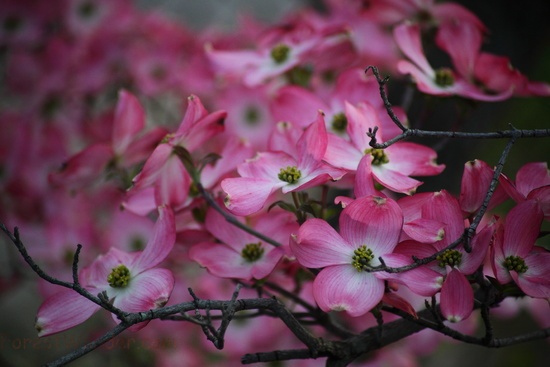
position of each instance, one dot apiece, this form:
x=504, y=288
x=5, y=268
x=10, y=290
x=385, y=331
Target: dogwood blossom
x=369, y=229
x=130, y=280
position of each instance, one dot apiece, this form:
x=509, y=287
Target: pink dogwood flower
x=515, y=256
x=128, y=146
x=164, y=179
x=462, y=46
x=277, y=54
x=130, y=280
x=369, y=229
x=269, y=171
x=390, y=167
x=448, y=273
x=532, y=183
x=241, y=255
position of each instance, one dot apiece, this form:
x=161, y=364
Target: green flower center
x=87, y=9
x=515, y=263
x=449, y=257
x=378, y=156
x=290, y=174
x=444, y=77
x=361, y=258
x=12, y=23
x=252, y=252
x=252, y=116
x=119, y=277
x=279, y=53
x=339, y=122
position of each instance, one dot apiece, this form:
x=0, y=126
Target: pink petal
x=394, y=180
x=443, y=206
x=195, y=111
x=153, y=167
x=266, y=165
x=141, y=202
x=457, y=297
x=422, y=280
x=146, y=291
x=245, y=195
x=480, y=244
x=318, y=245
x=521, y=228
x=532, y=176
x=462, y=41
x=536, y=281
x=142, y=147
x=313, y=144
x=360, y=120
x=542, y=196
x=395, y=300
x=267, y=263
x=129, y=120
x=297, y=105
x=340, y=153
x=341, y=287
x=172, y=183
x=364, y=182
x=84, y=167
x=160, y=243
x=425, y=230
x=413, y=159
x=221, y=260
x=62, y=311
x=407, y=37
x=475, y=182
x=374, y=222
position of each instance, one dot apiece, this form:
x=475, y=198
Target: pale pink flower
x=131, y=282
x=391, y=167
x=369, y=229
x=239, y=254
x=277, y=54
x=462, y=42
x=269, y=171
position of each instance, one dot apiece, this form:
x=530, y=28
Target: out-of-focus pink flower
x=462, y=43
x=241, y=255
x=129, y=145
x=130, y=280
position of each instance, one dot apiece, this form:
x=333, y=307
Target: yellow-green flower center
x=379, y=157
x=444, y=77
x=252, y=252
x=361, y=258
x=279, y=53
x=449, y=257
x=515, y=263
x=290, y=174
x=119, y=277
x=252, y=116
x=339, y=122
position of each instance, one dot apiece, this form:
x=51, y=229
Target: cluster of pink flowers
x=274, y=119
